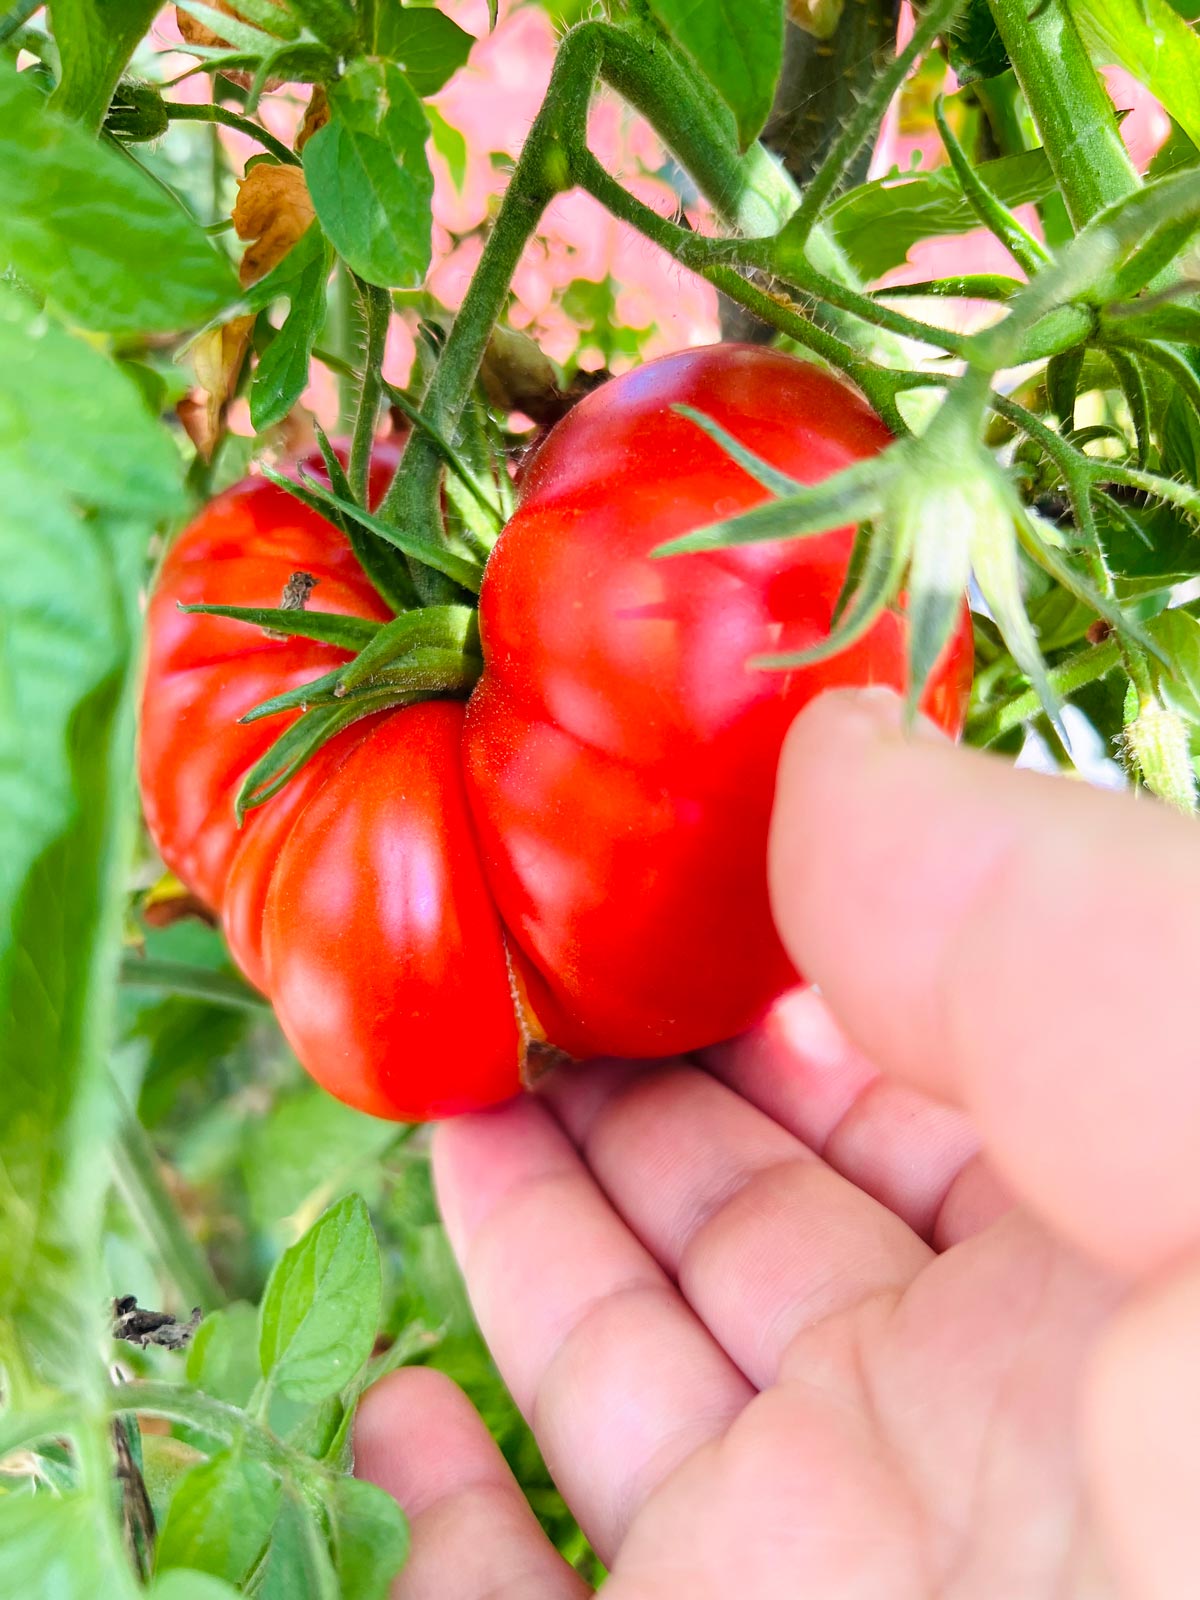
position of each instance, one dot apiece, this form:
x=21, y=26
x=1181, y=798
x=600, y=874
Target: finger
x=1143, y=1423
x=902, y=1148
x=618, y=1378
x=1019, y=944
x=763, y=1238
x=474, y=1536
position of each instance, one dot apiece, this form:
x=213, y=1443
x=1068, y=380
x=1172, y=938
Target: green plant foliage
x=1155, y=45
x=878, y=223
x=425, y=43
x=85, y=252
x=369, y=176
x=737, y=45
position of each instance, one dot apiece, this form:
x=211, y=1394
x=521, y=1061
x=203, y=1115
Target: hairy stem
x=1070, y=105
x=232, y=119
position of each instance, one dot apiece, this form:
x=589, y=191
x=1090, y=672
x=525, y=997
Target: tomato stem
x=1070, y=105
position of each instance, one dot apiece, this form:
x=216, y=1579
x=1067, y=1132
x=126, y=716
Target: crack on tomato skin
x=539, y=1054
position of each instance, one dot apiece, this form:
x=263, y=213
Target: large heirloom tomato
x=582, y=860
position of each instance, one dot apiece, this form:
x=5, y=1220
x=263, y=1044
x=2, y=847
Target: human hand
x=776, y=1324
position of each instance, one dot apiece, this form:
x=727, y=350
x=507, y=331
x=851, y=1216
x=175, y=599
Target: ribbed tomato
x=586, y=863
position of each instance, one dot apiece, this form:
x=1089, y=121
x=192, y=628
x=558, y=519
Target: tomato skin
x=202, y=673
x=384, y=954
x=620, y=753
x=585, y=840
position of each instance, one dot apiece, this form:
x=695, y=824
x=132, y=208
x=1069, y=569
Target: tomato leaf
x=1154, y=44
x=369, y=176
x=87, y=251
x=281, y=375
x=321, y=1308
x=83, y=464
x=737, y=45
x=49, y=1543
x=333, y=21
x=298, y=1561
x=220, y=1517
x=425, y=43
x=370, y=1538
x=878, y=223
x=95, y=40
x=180, y=1584
x=222, y=1358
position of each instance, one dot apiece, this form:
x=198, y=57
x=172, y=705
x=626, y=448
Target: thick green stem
x=751, y=192
x=879, y=384
x=231, y=119
x=863, y=124
x=539, y=175
x=377, y=312
x=1070, y=105
x=139, y=1180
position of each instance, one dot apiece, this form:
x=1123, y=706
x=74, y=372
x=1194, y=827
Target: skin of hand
x=897, y=1296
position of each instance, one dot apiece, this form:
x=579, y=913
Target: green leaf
x=228, y=27
x=84, y=474
x=449, y=144
x=309, y=1147
x=370, y=1539
x=298, y=1562
x=369, y=176
x=737, y=45
x=1177, y=634
x=1154, y=44
x=220, y=1517
x=878, y=223
x=79, y=221
x=425, y=43
x=333, y=21
x=180, y=1584
x=321, y=1308
x=95, y=40
x=222, y=1358
x=50, y=1549
x=282, y=371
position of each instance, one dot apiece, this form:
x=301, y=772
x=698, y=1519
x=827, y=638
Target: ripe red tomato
x=585, y=863
x=620, y=753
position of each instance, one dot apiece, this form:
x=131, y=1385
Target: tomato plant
x=464, y=752
x=587, y=869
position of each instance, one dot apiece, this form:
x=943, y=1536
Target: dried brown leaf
x=272, y=210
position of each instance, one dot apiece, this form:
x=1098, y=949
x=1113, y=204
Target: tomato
x=620, y=753
x=578, y=855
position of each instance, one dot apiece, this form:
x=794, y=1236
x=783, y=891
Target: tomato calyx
x=422, y=654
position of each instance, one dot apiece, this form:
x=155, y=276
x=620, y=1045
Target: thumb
x=1021, y=945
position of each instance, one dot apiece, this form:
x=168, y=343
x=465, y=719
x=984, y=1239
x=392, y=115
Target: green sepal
x=883, y=570
x=469, y=574
x=299, y=743
x=849, y=496
x=328, y=627
x=449, y=628
x=1063, y=374
x=320, y=691
x=779, y=483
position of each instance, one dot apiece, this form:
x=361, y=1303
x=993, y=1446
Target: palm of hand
x=749, y=1372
